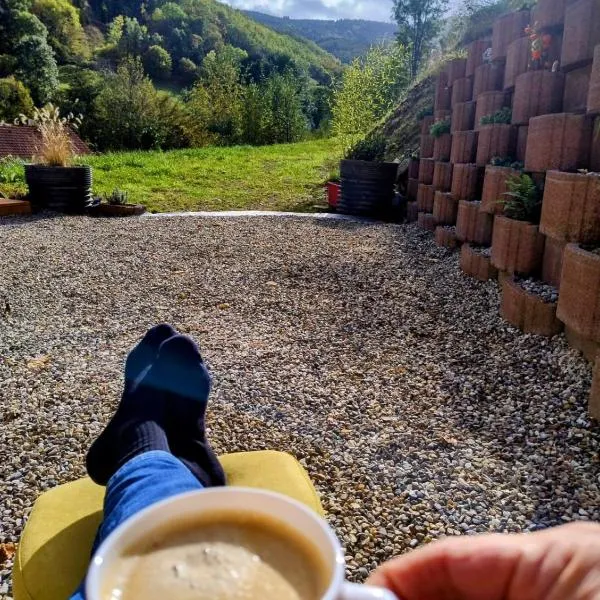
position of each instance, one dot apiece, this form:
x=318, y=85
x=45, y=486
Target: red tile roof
x=22, y=141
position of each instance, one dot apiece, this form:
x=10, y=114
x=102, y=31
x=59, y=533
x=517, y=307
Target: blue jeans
x=140, y=483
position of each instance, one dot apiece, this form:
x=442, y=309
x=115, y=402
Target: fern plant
x=523, y=199
x=440, y=128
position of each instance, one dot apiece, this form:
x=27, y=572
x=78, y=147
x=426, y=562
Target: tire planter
x=463, y=117
x=426, y=168
x=517, y=246
x=582, y=34
x=593, y=100
x=472, y=225
x=462, y=91
x=425, y=198
x=579, y=301
x=426, y=124
x=494, y=188
x=426, y=221
x=464, y=147
x=558, y=142
x=412, y=190
x=118, y=210
x=427, y=146
x=489, y=77
x=455, y=70
x=552, y=261
x=577, y=85
x=446, y=237
x=441, y=147
x=63, y=189
x=412, y=212
x=571, y=207
x=537, y=93
x=476, y=265
x=522, y=136
x=442, y=99
x=466, y=180
x=445, y=209
x=475, y=52
x=442, y=176
x=495, y=140
x=367, y=188
x=507, y=29
x=528, y=312
x=517, y=61
x=549, y=14
x=488, y=103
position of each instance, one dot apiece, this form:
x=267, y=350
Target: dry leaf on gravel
x=7, y=551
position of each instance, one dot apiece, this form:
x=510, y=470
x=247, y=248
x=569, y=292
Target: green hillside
x=344, y=38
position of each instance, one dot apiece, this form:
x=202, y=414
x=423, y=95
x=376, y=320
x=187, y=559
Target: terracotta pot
x=528, y=312
x=579, y=302
x=475, y=52
x=464, y=147
x=446, y=237
x=476, y=265
x=466, y=181
x=560, y=142
x=488, y=103
x=462, y=91
x=425, y=198
x=426, y=124
x=426, y=167
x=495, y=140
x=582, y=34
x=494, y=188
x=441, y=147
x=442, y=176
x=413, y=168
x=445, y=208
x=507, y=29
x=412, y=190
x=426, y=146
x=456, y=69
x=442, y=96
x=522, y=135
x=517, y=246
x=552, y=261
x=537, y=93
x=426, y=221
x=517, y=61
x=549, y=14
x=463, y=117
x=593, y=101
x=489, y=77
x=594, y=401
x=412, y=212
x=577, y=85
x=571, y=207
x=472, y=225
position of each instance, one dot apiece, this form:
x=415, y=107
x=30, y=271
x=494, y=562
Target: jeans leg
x=143, y=481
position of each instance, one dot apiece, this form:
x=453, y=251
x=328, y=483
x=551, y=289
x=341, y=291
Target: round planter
x=426, y=222
x=462, y=91
x=413, y=168
x=522, y=136
x=64, y=189
x=412, y=190
x=117, y=210
x=463, y=117
x=517, y=246
x=528, y=312
x=445, y=208
x=577, y=85
x=466, y=181
x=552, y=261
x=494, y=188
x=442, y=114
x=507, y=29
x=517, y=61
x=442, y=95
x=476, y=265
x=549, y=14
x=571, y=207
x=475, y=52
x=582, y=34
x=412, y=212
x=367, y=188
x=426, y=124
x=456, y=69
x=472, y=225
x=442, y=176
x=446, y=237
x=558, y=142
x=579, y=301
x=488, y=103
x=593, y=100
x=426, y=167
x=537, y=93
x=464, y=147
x=425, y=198
x=495, y=140
x=441, y=147
x=489, y=77
x=426, y=146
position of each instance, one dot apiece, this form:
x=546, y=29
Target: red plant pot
x=537, y=93
x=582, y=34
x=571, y=207
x=442, y=176
x=427, y=146
x=495, y=140
x=507, y=29
x=593, y=101
x=494, y=188
x=425, y=198
x=489, y=77
x=446, y=237
x=488, y=103
x=426, y=168
x=475, y=52
x=517, y=246
x=577, y=85
x=463, y=117
x=426, y=221
x=333, y=194
x=472, y=225
x=442, y=147
x=445, y=208
x=517, y=61
x=476, y=265
x=466, y=181
x=462, y=91
x=464, y=147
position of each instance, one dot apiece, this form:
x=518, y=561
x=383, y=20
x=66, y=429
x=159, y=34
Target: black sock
x=186, y=384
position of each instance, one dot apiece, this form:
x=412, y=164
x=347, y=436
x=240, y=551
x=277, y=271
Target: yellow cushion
x=55, y=546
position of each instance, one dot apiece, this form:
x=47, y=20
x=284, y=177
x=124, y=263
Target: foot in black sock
x=186, y=383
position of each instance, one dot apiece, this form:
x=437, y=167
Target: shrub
x=524, y=199
x=15, y=100
x=507, y=161
x=36, y=67
x=440, y=128
x=158, y=62
x=502, y=116
x=371, y=149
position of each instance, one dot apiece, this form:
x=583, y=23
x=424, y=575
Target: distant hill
x=345, y=38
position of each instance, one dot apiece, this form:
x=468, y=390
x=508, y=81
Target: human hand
x=556, y=564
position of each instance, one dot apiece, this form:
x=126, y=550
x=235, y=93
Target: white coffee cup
x=305, y=522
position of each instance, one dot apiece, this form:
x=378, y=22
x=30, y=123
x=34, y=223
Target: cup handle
x=353, y=591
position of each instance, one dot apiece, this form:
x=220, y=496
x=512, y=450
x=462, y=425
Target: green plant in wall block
x=440, y=128
x=502, y=117
x=425, y=112
x=116, y=198
x=523, y=201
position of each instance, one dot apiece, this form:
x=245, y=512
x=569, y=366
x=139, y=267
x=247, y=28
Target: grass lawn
x=284, y=177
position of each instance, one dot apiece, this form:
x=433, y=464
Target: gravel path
x=359, y=348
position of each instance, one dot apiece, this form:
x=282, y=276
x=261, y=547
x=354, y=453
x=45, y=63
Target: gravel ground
x=360, y=348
